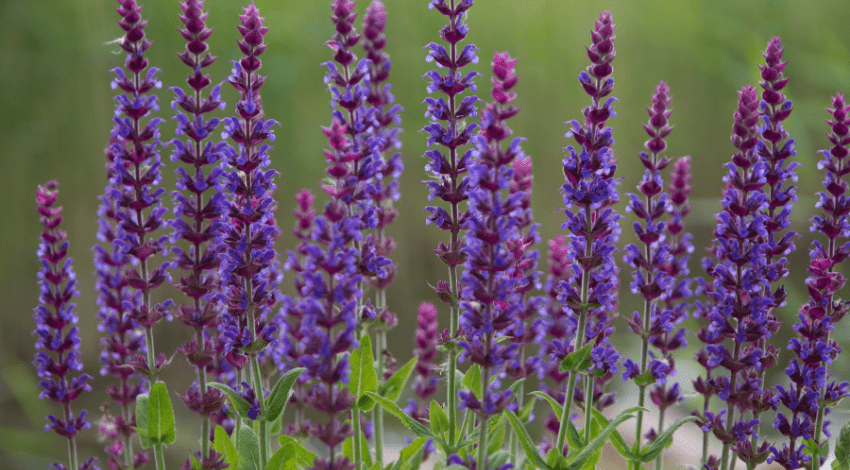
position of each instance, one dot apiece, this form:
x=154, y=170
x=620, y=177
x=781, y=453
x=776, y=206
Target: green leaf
x=472, y=379
x=142, y=419
x=283, y=459
x=645, y=379
x=531, y=452
x=555, y=460
x=240, y=404
x=495, y=435
x=224, y=446
x=280, y=393
x=248, y=448
x=525, y=413
x=597, y=442
x=408, y=453
x=652, y=450
x=573, y=437
x=842, y=449
x=364, y=378
x=303, y=456
x=392, y=389
x=578, y=360
x=616, y=438
x=498, y=458
x=438, y=418
x=418, y=428
x=195, y=464
x=161, y=428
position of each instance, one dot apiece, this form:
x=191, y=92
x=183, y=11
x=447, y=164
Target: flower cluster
x=136, y=173
x=810, y=392
x=199, y=220
x=248, y=280
x=57, y=336
x=426, y=380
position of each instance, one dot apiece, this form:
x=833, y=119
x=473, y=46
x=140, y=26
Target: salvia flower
x=57, y=336
x=810, y=393
x=136, y=173
x=593, y=225
x=198, y=220
x=741, y=296
x=651, y=279
x=249, y=231
x=123, y=340
x=426, y=380
x=449, y=130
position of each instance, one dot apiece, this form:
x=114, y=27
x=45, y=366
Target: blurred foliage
x=55, y=109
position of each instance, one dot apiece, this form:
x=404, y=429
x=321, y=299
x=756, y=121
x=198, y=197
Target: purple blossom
x=426, y=380
x=247, y=260
x=198, y=220
x=135, y=175
x=57, y=337
x=814, y=350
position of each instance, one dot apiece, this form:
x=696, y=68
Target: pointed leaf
x=842, y=449
x=142, y=419
x=392, y=389
x=438, y=418
x=195, y=465
x=248, y=447
x=573, y=437
x=409, y=452
x=280, y=393
x=597, y=442
x=418, y=428
x=161, y=428
x=224, y=446
x=495, y=434
x=240, y=404
x=616, y=438
x=363, y=378
x=578, y=360
x=531, y=452
x=304, y=457
x=283, y=459
x=472, y=379
x=652, y=450
x=498, y=458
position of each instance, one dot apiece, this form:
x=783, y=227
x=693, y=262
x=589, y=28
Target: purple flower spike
x=589, y=192
x=57, y=337
x=811, y=394
x=198, y=209
x=426, y=381
x=135, y=175
x=656, y=267
x=247, y=261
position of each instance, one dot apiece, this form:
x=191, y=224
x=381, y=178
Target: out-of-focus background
x=56, y=105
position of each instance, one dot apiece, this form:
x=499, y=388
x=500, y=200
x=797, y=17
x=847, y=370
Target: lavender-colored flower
x=123, y=340
x=57, y=337
x=589, y=192
x=655, y=267
x=198, y=220
x=810, y=393
x=426, y=380
x=249, y=231
x=741, y=295
x=135, y=173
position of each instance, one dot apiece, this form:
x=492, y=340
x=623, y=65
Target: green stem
x=588, y=407
x=513, y=442
x=730, y=414
x=377, y=412
x=705, y=407
x=454, y=437
x=202, y=381
x=159, y=457
x=258, y=388
x=355, y=420
x=72, y=453
x=659, y=462
x=482, y=431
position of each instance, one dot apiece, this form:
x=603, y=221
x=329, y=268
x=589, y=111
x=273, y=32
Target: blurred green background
x=55, y=108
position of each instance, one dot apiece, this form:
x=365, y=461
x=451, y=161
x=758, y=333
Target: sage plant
x=449, y=183
x=810, y=394
x=198, y=219
x=593, y=225
x=57, y=344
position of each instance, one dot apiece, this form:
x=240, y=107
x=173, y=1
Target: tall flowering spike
x=426, y=379
x=655, y=269
x=123, y=340
x=198, y=209
x=589, y=193
x=136, y=173
x=449, y=130
x=247, y=269
x=57, y=336
x=741, y=298
x=811, y=394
